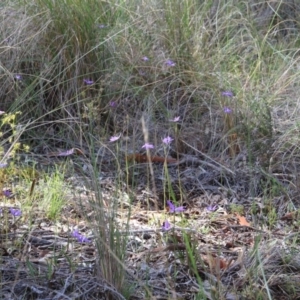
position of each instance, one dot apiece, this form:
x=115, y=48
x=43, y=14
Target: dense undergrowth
x=115, y=79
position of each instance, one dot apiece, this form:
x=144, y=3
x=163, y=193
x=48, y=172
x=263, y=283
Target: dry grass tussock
x=109, y=110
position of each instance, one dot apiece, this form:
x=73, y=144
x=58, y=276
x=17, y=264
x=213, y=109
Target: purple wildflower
x=176, y=119
x=167, y=140
x=80, y=238
x=15, y=212
x=212, y=207
x=148, y=146
x=227, y=110
x=145, y=58
x=3, y=165
x=8, y=193
x=88, y=81
x=18, y=77
x=2, y=112
x=112, y=103
x=170, y=63
x=173, y=208
x=66, y=153
x=227, y=93
x=166, y=226
x=114, y=138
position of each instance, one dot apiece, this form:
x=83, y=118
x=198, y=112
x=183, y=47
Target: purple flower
x=170, y=63
x=212, y=207
x=227, y=110
x=88, y=81
x=112, y=103
x=3, y=165
x=18, y=77
x=173, y=208
x=145, y=58
x=227, y=93
x=148, y=146
x=80, y=238
x=166, y=226
x=66, y=153
x=15, y=212
x=8, y=193
x=2, y=112
x=101, y=26
x=176, y=119
x=167, y=140
x=114, y=138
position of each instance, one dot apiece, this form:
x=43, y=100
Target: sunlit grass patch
x=53, y=191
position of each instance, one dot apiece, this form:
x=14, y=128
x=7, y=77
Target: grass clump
x=54, y=191
x=110, y=231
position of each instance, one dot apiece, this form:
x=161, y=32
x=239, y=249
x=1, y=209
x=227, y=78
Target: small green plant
x=54, y=192
x=255, y=208
x=272, y=217
x=10, y=133
x=237, y=208
x=193, y=260
x=205, y=230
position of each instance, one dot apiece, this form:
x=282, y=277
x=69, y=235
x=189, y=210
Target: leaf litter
x=168, y=248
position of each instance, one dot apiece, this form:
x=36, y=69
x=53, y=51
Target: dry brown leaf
x=242, y=220
x=215, y=263
x=223, y=264
x=289, y=216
